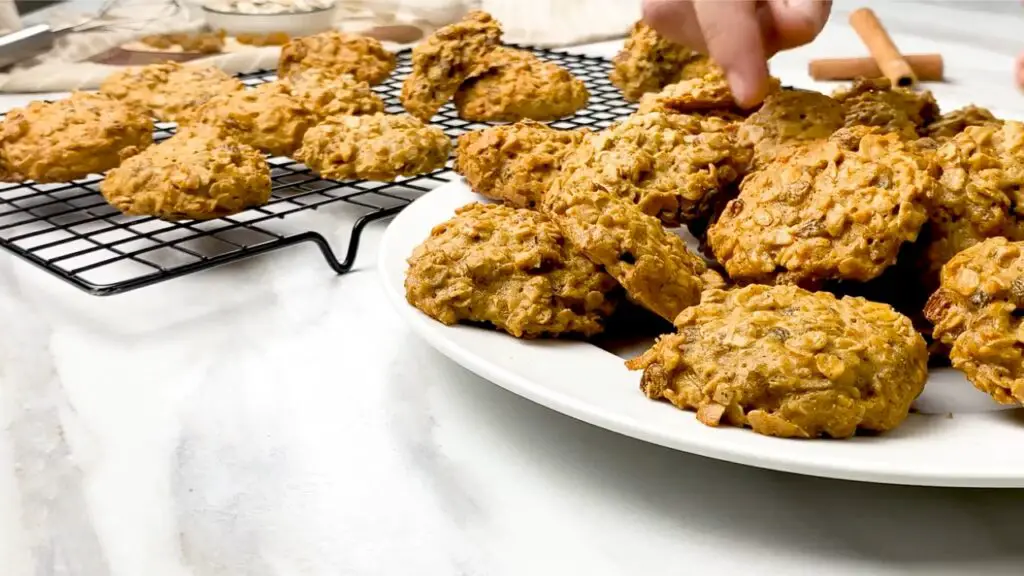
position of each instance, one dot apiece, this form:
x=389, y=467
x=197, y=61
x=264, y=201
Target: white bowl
x=294, y=24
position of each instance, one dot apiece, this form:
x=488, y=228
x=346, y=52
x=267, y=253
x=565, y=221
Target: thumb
x=795, y=22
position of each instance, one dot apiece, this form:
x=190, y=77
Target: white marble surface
x=269, y=418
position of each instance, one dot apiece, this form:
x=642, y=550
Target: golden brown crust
x=201, y=42
x=982, y=185
x=650, y=262
x=670, y=165
x=512, y=269
x=834, y=209
x=195, y=174
x=697, y=94
x=974, y=200
x=70, y=138
x=442, y=62
x=977, y=311
x=169, y=91
x=649, y=62
x=787, y=117
x=950, y=124
x=515, y=163
x=266, y=118
x=327, y=94
x=876, y=103
x=788, y=362
x=518, y=85
x=362, y=57
x=373, y=147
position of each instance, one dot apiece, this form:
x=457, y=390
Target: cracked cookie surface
x=517, y=85
x=977, y=312
x=169, y=91
x=651, y=263
x=672, y=166
x=827, y=210
x=373, y=147
x=195, y=174
x=71, y=138
x=326, y=94
x=512, y=269
x=877, y=103
x=442, y=62
x=648, y=62
x=787, y=117
x=362, y=57
x=516, y=163
x=265, y=117
x=788, y=362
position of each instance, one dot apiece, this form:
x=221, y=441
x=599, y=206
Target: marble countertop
x=270, y=418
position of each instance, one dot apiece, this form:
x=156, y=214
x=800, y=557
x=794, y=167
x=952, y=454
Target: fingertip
x=749, y=87
x=735, y=41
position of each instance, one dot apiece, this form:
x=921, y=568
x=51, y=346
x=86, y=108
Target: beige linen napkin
x=539, y=22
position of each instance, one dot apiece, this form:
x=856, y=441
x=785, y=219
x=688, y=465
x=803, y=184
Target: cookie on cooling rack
x=374, y=147
x=512, y=269
x=266, y=118
x=788, y=362
x=514, y=163
x=195, y=174
x=648, y=62
x=517, y=85
x=169, y=91
x=442, y=62
x=651, y=263
x=326, y=94
x=976, y=311
x=71, y=138
x=362, y=57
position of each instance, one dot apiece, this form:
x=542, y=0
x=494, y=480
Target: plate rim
x=437, y=336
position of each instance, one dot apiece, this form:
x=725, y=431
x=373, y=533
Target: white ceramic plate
x=965, y=440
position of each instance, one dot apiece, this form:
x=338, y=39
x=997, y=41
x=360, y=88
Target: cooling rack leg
x=353, y=243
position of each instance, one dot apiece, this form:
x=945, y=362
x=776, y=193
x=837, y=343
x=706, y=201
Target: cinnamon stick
x=926, y=67
x=883, y=50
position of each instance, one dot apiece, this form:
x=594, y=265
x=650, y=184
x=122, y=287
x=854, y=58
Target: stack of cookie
x=826, y=223
x=321, y=111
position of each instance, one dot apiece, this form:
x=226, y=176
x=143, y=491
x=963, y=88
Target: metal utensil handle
x=25, y=43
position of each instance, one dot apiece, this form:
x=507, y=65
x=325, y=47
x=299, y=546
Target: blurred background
x=105, y=33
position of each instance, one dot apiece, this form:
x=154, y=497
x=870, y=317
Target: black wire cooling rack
x=71, y=232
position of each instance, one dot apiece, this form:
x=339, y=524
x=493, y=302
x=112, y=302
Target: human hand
x=740, y=35
x=1020, y=67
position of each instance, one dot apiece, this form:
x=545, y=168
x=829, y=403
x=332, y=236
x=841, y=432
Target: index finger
x=674, y=20
x=732, y=34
